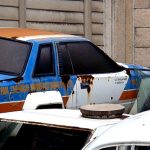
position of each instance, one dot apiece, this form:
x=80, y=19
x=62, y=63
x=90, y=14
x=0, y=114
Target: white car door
x=100, y=88
x=98, y=78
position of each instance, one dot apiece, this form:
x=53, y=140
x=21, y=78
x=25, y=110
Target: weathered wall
x=118, y=31
x=9, y=13
x=120, y=27
x=127, y=30
x=78, y=17
x=142, y=31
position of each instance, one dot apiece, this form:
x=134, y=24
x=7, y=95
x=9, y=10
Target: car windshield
x=38, y=137
x=13, y=56
x=84, y=58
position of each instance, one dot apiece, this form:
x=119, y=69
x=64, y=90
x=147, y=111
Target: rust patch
x=44, y=86
x=36, y=87
x=18, y=79
x=72, y=92
x=32, y=88
x=65, y=100
x=19, y=88
x=87, y=81
x=128, y=71
x=133, y=81
x=4, y=90
x=65, y=80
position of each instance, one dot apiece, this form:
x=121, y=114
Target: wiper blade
x=16, y=79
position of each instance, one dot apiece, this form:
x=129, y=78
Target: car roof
x=23, y=32
x=132, y=131
x=26, y=34
x=57, y=118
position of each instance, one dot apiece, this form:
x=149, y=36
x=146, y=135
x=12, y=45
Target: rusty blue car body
x=35, y=60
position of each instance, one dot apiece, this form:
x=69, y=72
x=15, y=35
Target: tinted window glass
x=44, y=64
x=65, y=64
x=32, y=137
x=84, y=58
x=13, y=56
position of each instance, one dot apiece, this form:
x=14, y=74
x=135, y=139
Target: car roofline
x=62, y=118
x=52, y=38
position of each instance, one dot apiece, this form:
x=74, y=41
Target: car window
x=128, y=147
x=84, y=58
x=37, y=137
x=12, y=52
x=44, y=64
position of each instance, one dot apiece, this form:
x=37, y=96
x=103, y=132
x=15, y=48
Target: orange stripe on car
x=13, y=106
x=132, y=94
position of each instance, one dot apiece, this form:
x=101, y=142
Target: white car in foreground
x=67, y=130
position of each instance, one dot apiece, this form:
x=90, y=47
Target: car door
x=98, y=79
x=14, y=55
x=44, y=74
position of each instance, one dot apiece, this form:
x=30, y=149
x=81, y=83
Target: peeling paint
x=86, y=81
x=36, y=87
x=65, y=79
x=133, y=81
x=32, y=87
x=65, y=100
x=4, y=90
x=19, y=88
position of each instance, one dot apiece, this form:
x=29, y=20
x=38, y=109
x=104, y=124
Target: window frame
x=50, y=45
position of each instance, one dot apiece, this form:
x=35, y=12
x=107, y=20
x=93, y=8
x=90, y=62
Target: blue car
x=39, y=61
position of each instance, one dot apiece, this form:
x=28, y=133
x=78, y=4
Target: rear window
x=32, y=137
x=13, y=56
x=84, y=58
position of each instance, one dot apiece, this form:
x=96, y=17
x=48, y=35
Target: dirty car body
x=35, y=61
x=66, y=129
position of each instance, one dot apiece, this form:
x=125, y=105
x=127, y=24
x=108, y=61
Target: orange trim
x=21, y=32
x=129, y=95
x=12, y=106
